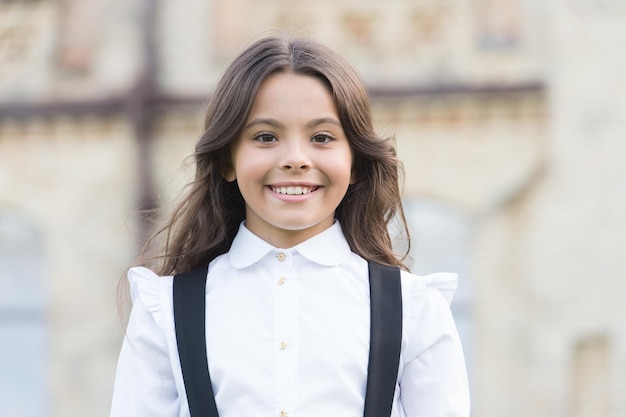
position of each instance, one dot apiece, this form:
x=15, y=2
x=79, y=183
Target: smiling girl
x=286, y=220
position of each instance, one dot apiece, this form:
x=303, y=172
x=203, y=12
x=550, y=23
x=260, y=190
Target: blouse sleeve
x=144, y=381
x=433, y=382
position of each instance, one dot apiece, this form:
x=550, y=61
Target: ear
x=227, y=170
x=353, y=176
x=229, y=174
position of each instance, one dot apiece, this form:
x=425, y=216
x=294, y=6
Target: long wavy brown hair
x=206, y=220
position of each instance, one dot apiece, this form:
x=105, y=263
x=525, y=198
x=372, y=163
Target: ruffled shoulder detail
x=444, y=282
x=151, y=289
x=426, y=310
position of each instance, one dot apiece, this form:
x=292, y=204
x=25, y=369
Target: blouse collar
x=328, y=248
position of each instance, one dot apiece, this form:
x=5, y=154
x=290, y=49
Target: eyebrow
x=276, y=123
x=317, y=122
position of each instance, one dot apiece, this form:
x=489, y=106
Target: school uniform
x=288, y=336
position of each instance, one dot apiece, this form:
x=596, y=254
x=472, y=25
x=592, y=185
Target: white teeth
x=297, y=190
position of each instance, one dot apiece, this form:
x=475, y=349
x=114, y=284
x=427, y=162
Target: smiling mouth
x=296, y=190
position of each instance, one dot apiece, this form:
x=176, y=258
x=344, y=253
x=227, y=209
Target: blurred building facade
x=510, y=117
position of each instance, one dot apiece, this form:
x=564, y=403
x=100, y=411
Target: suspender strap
x=385, y=339
x=189, y=320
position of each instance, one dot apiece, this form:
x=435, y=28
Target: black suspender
x=189, y=314
x=385, y=340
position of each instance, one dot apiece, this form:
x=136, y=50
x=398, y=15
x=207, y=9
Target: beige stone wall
x=552, y=264
x=473, y=151
x=26, y=40
x=77, y=180
x=400, y=42
x=68, y=49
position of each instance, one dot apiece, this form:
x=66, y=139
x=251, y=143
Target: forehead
x=293, y=94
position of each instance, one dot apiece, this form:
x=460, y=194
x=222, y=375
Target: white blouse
x=288, y=335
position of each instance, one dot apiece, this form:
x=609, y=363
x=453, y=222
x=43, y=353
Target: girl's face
x=292, y=160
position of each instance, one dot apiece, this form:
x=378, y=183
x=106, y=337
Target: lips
x=294, y=190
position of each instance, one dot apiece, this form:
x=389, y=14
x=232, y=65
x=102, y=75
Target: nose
x=295, y=157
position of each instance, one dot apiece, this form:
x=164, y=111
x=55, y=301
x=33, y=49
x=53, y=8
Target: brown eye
x=265, y=138
x=322, y=138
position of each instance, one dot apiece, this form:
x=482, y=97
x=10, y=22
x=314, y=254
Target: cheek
x=250, y=168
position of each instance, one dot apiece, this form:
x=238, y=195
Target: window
x=23, y=333
x=440, y=242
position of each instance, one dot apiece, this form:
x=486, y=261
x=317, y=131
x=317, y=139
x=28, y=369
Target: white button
x=283, y=413
x=282, y=281
x=283, y=345
x=281, y=257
